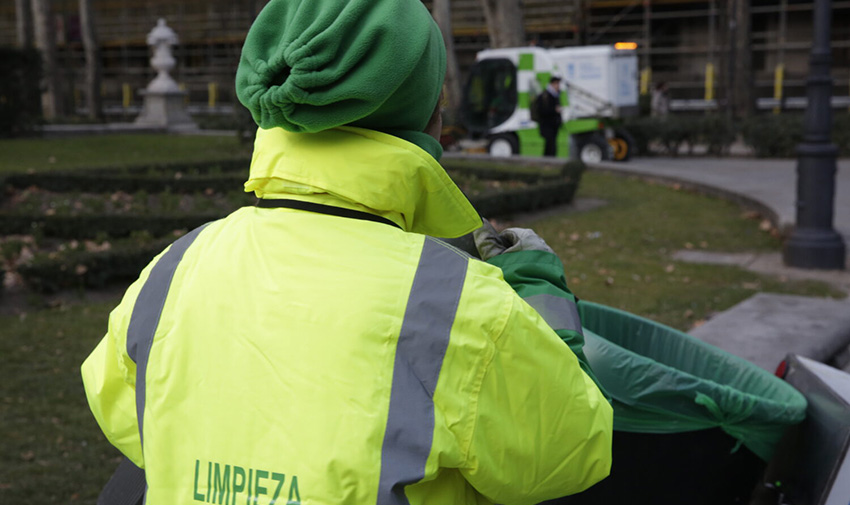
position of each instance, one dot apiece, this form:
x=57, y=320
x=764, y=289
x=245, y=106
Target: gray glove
x=492, y=243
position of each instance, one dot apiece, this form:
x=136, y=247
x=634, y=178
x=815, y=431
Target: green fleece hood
x=312, y=65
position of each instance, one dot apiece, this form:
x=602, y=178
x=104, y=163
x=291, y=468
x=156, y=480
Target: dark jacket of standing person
x=321, y=346
x=549, y=114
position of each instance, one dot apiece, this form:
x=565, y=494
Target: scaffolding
x=699, y=47
x=705, y=50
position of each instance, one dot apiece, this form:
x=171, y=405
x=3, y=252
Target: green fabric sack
x=665, y=381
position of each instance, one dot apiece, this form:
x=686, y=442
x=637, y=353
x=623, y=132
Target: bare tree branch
x=441, y=10
x=45, y=40
x=505, y=22
x=92, y=52
x=23, y=23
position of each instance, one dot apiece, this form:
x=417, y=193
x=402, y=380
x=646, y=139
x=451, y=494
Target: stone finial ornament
x=161, y=38
x=164, y=102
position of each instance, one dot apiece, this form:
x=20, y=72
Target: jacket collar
x=362, y=170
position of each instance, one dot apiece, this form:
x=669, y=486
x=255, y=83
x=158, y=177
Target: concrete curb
x=766, y=327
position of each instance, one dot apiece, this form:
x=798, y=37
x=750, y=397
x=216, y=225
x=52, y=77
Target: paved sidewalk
x=771, y=183
x=764, y=328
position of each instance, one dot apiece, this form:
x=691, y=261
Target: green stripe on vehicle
x=526, y=61
x=531, y=143
x=524, y=100
x=581, y=125
x=543, y=79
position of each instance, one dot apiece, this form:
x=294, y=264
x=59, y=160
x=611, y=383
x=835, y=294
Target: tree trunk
x=45, y=40
x=505, y=22
x=23, y=23
x=743, y=60
x=442, y=12
x=92, y=52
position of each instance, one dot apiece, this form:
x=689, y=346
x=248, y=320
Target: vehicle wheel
x=503, y=145
x=623, y=144
x=620, y=148
x=593, y=149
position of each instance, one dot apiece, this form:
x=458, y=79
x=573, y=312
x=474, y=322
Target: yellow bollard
x=126, y=94
x=779, y=74
x=645, y=77
x=709, y=82
x=212, y=93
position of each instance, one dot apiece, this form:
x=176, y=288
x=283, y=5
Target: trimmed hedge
x=778, y=135
x=90, y=227
x=530, y=171
x=229, y=175
x=769, y=135
x=81, y=269
x=84, y=269
x=168, y=169
x=674, y=131
x=526, y=200
x=773, y=135
x=66, y=182
x=225, y=175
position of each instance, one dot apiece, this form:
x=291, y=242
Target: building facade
x=748, y=52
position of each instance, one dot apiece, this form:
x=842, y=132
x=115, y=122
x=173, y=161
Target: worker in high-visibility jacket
x=320, y=347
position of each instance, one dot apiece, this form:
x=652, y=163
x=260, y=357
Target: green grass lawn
x=21, y=155
x=619, y=254
x=52, y=450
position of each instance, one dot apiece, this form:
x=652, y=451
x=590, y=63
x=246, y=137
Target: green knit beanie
x=311, y=65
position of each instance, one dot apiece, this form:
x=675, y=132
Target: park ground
x=617, y=244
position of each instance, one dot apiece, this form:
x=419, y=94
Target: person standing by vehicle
x=660, y=103
x=549, y=113
x=320, y=346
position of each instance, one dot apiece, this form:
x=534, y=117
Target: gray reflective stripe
x=422, y=345
x=559, y=313
x=147, y=311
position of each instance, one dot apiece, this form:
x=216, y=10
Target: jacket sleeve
x=542, y=428
x=109, y=379
x=538, y=278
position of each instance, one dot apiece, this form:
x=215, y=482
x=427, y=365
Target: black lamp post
x=814, y=243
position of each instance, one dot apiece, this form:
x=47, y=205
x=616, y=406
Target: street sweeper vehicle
x=599, y=86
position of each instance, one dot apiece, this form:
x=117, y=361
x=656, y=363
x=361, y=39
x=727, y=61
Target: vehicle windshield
x=490, y=97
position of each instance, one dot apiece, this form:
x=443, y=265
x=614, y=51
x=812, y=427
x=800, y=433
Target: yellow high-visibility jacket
x=289, y=356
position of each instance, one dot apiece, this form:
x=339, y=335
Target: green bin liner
x=665, y=381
